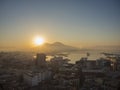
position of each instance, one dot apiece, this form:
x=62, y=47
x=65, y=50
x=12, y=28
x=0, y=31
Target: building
x=39, y=73
x=33, y=78
x=41, y=60
x=86, y=64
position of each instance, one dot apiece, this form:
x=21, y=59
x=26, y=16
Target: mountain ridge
x=55, y=47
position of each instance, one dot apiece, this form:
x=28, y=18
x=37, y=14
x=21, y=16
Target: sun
x=38, y=41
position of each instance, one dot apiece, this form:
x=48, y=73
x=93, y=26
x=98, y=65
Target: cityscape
x=20, y=72
x=59, y=45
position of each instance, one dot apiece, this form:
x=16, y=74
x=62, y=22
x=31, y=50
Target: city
x=59, y=44
x=58, y=74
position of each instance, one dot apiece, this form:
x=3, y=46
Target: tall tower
x=41, y=60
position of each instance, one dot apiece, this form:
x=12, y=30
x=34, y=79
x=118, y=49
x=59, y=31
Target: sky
x=80, y=23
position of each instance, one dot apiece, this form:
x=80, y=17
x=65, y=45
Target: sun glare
x=38, y=41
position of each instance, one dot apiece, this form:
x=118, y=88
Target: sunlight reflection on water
x=75, y=56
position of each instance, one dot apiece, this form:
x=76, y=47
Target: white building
x=33, y=78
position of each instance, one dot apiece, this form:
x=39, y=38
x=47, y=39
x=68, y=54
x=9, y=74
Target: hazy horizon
x=78, y=23
x=46, y=46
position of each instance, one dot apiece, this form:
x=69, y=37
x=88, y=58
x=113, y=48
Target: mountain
x=55, y=47
x=58, y=44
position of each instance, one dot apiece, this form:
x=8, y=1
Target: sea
x=93, y=54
